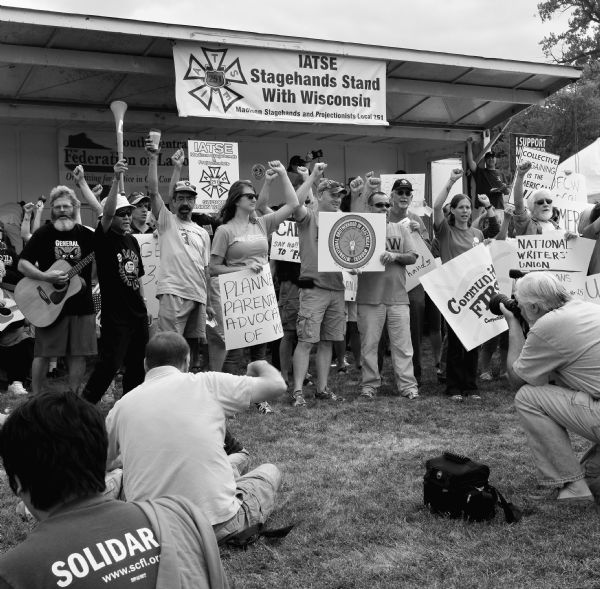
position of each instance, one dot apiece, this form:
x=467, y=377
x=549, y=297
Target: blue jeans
x=371, y=319
x=547, y=413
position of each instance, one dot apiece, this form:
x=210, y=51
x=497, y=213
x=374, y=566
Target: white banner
x=352, y=240
x=276, y=85
x=96, y=151
x=214, y=167
x=418, y=204
x=461, y=289
x=425, y=262
x=552, y=251
x=150, y=254
x=249, y=306
x=592, y=289
x=285, y=243
x=569, y=186
x=570, y=211
x=541, y=175
x=504, y=258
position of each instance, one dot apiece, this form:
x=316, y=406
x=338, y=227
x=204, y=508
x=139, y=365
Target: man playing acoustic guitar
x=73, y=333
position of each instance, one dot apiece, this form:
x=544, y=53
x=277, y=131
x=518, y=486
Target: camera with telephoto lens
x=510, y=304
x=317, y=153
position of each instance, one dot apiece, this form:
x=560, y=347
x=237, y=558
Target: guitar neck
x=80, y=265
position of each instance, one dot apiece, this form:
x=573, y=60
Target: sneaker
x=298, y=399
x=367, y=392
x=411, y=395
x=17, y=388
x=486, y=376
x=327, y=395
x=457, y=397
x=264, y=408
x=475, y=397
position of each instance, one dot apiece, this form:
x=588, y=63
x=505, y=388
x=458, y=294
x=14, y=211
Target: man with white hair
x=73, y=334
x=557, y=368
x=536, y=218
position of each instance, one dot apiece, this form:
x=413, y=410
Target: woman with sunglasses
x=536, y=217
x=455, y=237
x=241, y=241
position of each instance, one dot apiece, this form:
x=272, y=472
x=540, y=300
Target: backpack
x=456, y=486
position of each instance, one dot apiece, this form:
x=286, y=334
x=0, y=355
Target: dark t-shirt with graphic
x=47, y=245
x=94, y=543
x=485, y=180
x=120, y=268
x=9, y=257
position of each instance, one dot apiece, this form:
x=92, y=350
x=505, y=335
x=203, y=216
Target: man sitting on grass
x=54, y=451
x=558, y=369
x=168, y=435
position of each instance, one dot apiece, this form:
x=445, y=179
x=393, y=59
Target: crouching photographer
x=557, y=367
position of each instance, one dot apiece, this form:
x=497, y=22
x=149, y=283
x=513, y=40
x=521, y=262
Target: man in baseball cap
x=139, y=217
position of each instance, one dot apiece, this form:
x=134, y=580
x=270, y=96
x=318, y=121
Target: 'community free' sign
x=275, y=85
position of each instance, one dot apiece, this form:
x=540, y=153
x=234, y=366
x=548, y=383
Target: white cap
x=122, y=203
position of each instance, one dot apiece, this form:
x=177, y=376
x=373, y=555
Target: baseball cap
x=402, y=184
x=490, y=154
x=332, y=186
x=122, y=203
x=297, y=161
x=185, y=186
x=137, y=197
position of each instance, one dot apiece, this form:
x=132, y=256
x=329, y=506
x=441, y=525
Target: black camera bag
x=456, y=486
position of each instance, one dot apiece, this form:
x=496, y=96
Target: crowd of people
x=167, y=435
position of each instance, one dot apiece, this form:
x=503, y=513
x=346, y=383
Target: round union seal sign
x=352, y=241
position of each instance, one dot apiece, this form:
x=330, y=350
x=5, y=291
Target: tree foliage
x=580, y=44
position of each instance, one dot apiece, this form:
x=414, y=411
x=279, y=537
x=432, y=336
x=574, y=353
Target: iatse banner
x=274, y=85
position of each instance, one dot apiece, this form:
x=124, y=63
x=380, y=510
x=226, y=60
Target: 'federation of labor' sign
x=274, y=85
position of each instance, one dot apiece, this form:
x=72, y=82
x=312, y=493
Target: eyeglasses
x=405, y=192
x=381, y=205
x=123, y=213
x=544, y=201
x=250, y=195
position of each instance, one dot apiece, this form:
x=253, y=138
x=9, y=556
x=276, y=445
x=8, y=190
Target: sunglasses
x=544, y=201
x=381, y=205
x=123, y=213
x=251, y=196
x=405, y=192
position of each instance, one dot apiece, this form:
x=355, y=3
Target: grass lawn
x=353, y=484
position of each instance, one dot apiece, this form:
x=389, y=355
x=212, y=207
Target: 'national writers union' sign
x=272, y=85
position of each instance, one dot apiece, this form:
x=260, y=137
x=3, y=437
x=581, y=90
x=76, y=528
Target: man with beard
x=124, y=315
x=536, y=218
x=184, y=259
x=73, y=334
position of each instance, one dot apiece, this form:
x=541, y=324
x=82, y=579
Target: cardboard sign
x=214, y=167
x=150, y=254
x=461, y=289
x=592, y=289
x=425, y=262
x=518, y=141
x=504, y=258
x=350, y=241
x=569, y=186
x=249, y=306
x=541, y=175
x=418, y=204
x=285, y=244
x=351, y=286
x=230, y=82
x=570, y=212
x=552, y=251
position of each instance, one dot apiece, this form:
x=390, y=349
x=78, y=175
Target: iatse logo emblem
x=215, y=92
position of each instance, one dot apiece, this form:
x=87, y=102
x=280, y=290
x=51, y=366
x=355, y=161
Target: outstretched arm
x=522, y=170
x=86, y=192
x=291, y=198
x=269, y=382
x=316, y=174
x=438, y=205
x=156, y=201
x=470, y=159
x=177, y=159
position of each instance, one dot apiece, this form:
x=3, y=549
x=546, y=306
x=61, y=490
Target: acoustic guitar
x=9, y=314
x=40, y=301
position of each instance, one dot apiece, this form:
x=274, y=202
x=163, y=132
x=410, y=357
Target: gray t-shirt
x=454, y=241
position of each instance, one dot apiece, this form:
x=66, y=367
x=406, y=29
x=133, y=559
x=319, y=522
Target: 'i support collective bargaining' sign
x=277, y=85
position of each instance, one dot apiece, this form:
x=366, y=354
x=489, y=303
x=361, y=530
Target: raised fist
x=523, y=168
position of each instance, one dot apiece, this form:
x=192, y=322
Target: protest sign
x=425, y=262
x=592, y=289
x=541, y=175
x=461, y=289
x=96, y=151
x=214, y=167
x=150, y=254
x=574, y=282
x=552, y=251
x=504, y=258
x=249, y=307
x=570, y=212
x=352, y=240
x=350, y=286
x=285, y=243
x=520, y=140
x=277, y=85
x=418, y=204
x=569, y=186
